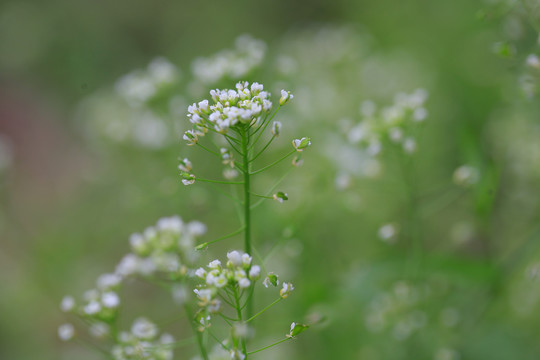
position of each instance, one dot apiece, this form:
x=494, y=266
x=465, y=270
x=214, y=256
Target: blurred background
x=423, y=245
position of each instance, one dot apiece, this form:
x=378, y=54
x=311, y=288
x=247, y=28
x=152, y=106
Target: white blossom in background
x=66, y=332
x=140, y=86
x=233, y=64
x=394, y=123
x=143, y=342
x=466, y=175
x=388, y=233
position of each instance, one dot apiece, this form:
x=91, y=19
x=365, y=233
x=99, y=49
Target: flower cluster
x=237, y=274
x=140, y=86
x=142, y=342
x=245, y=106
x=167, y=247
x=393, y=123
x=234, y=64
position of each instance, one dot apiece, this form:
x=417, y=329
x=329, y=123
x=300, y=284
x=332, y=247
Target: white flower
x=533, y=61
x=237, y=354
x=466, y=175
x=215, y=264
x=92, y=308
x=409, y=145
x=196, y=228
x=200, y=272
x=246, y=260
x=191, y=137
x=276, y=128
x=388, y=233
x=301, y=144
x=235, y=258
x=107, y=281
x=67, y=304
x=66, y=332
x=110, y=299
x=420, y=114
x=142, y=328
x=188, y=179
x=128, y=265
x=286, y=96
x=271, y=279
x=180, y=294
x=286, y=290
x=254, y=272
x=244, y=283
x=185, y=165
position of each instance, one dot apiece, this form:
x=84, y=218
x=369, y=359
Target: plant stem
x=263, y=310
x=247, y=202
x=239, y=312
x=197, y=333
x=269, y=346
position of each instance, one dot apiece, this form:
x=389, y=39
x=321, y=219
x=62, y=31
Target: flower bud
x=286, y=96
x=185, y=165
x=286, y=290
x=276, y=128
x=301, y=144
x=280, y=196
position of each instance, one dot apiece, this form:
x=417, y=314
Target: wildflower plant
x=168, y=254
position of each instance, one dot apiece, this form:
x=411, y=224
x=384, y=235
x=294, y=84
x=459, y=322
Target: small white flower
x=254, y=272
x=92, y=308
x=66, y=332
x=185, y=165
x=215, y=264
x=67, y=304
x=286, y=96
x=466, y=175
x=196, y=228
x=276, y=128
x=107, y=281
x=235, y=258
x=191, y=137
x=246, y=260
x=144, y=329
x=188, y=179
x=301, y=144
x=244, y=283
x=110, y=299
x=286, y=290
x=200, y=272
x=128, y=265
x=388, y=233
x=271, y=279
x=409, y=145
x=420, y=114
x=166, y=339
x=533, y=61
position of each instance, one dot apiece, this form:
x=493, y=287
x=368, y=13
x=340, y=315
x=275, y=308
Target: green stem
x=264, y=148
x=218, y=181
x=269, y=346
x=203, y=245
x=247, y=203
x=207, y=149
x=197, y=333
x=239, y=312
x=274, y=163
x=263, y=310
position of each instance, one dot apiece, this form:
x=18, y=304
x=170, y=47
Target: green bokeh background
x=68, y=205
